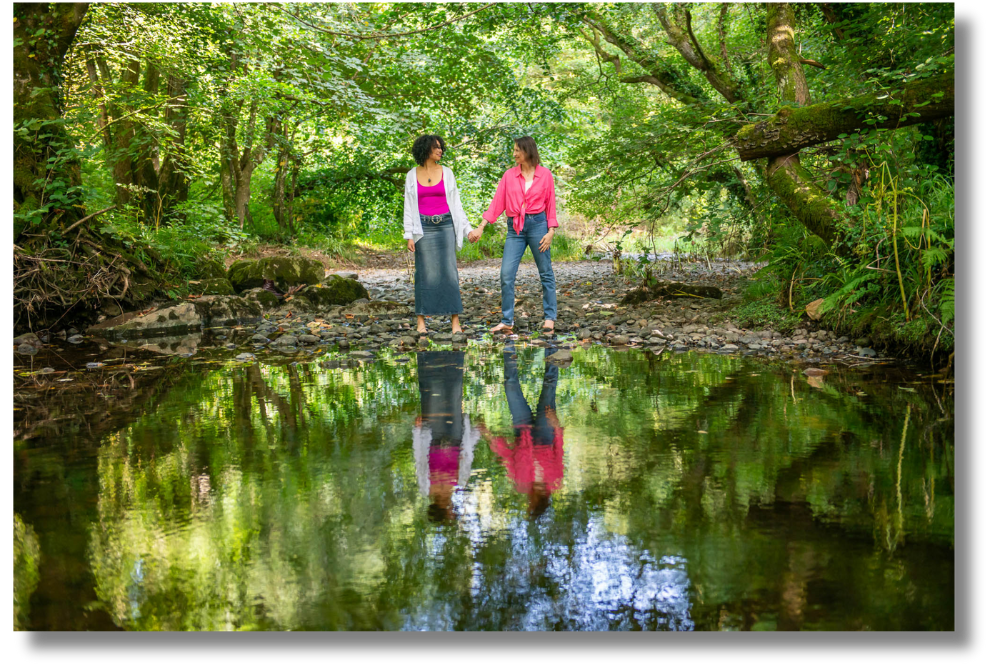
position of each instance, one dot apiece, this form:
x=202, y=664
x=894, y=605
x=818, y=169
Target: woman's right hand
x=409, y=245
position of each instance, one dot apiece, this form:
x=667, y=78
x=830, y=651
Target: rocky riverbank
x=590, y=312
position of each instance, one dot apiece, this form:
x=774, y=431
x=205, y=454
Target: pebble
x=286, y=341
x=560, y=356
x=245, y=357
x=75, y=338
x=26, y=349
x=31, y=339
x=95, y=365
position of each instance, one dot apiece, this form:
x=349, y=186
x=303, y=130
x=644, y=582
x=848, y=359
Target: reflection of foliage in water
x=286, y=497
x=26, y=556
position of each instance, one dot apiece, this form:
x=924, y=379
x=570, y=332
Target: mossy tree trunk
x=790, y=181
x=793, y=129
x=46, y=170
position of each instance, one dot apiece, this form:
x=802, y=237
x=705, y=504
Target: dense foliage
x=815, y=136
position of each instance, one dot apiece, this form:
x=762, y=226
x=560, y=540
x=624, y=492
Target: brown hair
x=529, y=148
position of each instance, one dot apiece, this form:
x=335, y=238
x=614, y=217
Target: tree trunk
x=789, y=180
x=781, y=56
x=172, y=183
x=44, y=154
x=793, y=129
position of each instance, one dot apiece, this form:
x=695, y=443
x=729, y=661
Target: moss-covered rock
x=337, y=292
x=263, y=297
x=284, y=271
x=211, y=286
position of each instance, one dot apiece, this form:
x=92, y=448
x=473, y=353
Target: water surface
x=483, y=489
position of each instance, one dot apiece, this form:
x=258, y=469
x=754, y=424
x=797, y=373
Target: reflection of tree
x=261, y=497
x=26, y=558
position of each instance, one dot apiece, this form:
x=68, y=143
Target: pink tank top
x=431, y=200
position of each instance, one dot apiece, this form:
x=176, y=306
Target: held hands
x=409, y=245
x=475, y=234
x=546, y=241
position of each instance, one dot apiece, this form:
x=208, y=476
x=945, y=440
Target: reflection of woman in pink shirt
x=534, y=457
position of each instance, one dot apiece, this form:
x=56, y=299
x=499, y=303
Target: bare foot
x=501, y=329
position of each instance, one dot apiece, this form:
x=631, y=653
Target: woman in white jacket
x=434, y=225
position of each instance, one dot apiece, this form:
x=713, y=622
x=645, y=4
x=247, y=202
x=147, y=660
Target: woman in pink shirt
x=526, y=192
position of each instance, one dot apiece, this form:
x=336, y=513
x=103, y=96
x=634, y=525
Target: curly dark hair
x=423, y=146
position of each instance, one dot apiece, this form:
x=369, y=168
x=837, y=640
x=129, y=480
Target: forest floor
x=589, y=296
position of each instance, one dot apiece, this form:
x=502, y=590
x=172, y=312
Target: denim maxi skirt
x=436, y=271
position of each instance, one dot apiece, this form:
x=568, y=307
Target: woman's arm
x=493, y=212
x=550, y=202
x=408, y=215
x=498, y=204
x=407, y=210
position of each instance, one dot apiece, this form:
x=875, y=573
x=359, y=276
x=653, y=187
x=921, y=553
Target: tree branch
x=86, y=218
x=791, y=130
x=694, y=40
x=392, y=35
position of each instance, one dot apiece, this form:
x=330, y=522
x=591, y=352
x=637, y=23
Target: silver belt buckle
x=437, y=219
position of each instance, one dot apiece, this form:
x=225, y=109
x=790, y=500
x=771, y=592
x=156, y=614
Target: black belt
x=437, y=219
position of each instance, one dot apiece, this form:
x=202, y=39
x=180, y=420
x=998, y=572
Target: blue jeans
x=542, y=431
x=535, y=227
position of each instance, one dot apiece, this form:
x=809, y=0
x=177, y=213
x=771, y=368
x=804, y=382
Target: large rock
x=180, y=318
x=262, y=296
x=284, y=271
x=335, y=291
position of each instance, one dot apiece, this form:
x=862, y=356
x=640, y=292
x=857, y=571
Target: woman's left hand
x=546, y=241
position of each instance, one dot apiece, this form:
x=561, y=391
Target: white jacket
x=411, y=213
x=422, y=451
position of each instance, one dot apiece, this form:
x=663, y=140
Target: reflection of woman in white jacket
x=444, y=439
x=434, y=224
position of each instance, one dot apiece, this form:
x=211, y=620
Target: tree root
x=52, y=281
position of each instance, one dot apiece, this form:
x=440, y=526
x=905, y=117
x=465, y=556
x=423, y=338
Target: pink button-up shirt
x=510, y=197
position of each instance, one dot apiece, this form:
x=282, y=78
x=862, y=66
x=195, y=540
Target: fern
x=947, y=303
x=933, y=256
x=849, y=292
